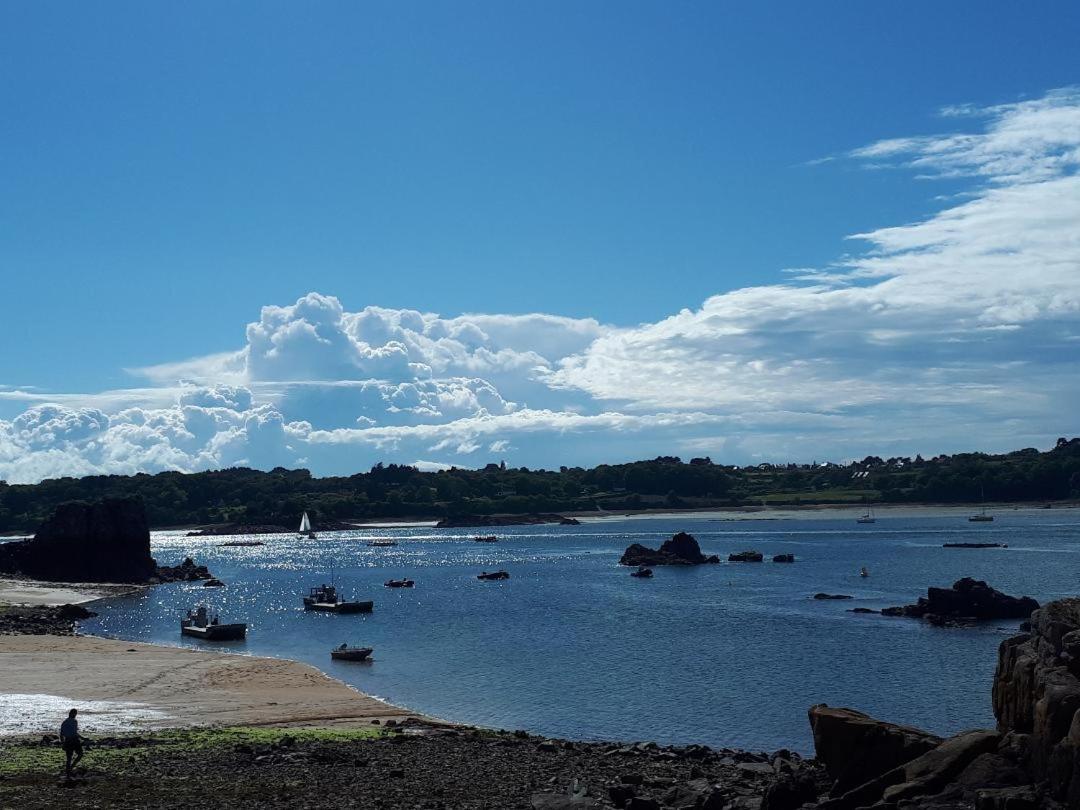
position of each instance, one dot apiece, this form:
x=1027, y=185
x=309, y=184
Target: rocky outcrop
x=468, y=521
x=187, y=571
x=108, y=541
x=967, y=599
x=1037, y=697
x=783, y=558
x=681, y=549
x=855, y=748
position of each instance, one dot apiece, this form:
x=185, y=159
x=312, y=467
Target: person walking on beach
x=72, y=742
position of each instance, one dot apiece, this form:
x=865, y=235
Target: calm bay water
x=571, y=645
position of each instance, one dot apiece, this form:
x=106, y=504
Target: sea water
x=572, y=646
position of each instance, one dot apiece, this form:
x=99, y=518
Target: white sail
x=305, y=524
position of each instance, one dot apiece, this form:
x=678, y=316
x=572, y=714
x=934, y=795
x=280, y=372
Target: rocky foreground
x=409, y=766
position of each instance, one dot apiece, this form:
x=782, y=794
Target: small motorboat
x=399, y=583
x=382, y=543
x=863, y=572
x=200, y=623
x=486, y=539
x=347, y=653
x=642, y=572
x=493, y=575
x=326, y=599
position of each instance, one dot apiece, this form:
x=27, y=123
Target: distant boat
x=863, y=572
x=200, y=623
x=326, y=599
x=981, y=517
x=382, y=543
x=347, y=653
x=486, y=539
x=305, y=529
x=399, y=583
x=868, y=517
x=643, y=573
x=493, y=575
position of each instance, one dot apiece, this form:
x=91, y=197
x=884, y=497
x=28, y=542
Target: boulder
x=968, y=598
x=681, y=549
x=108, y=541
x=784, y=558
x=934, y=770
x=790, y=792
x=187, y=571
x=832, y=596
x=856, y=748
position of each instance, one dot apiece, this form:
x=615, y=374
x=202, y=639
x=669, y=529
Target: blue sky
x=168, y=171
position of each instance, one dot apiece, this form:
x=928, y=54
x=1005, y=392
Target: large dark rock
x=856, y=748
x=967, y=599
x=681, y=549
x=1037, y=697
x=107, y=541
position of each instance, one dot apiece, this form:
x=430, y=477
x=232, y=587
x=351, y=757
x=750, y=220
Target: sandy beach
x=127, y=686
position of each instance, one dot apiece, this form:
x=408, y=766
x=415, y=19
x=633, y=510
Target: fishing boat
x=642, y=572
x=382, y=543
x=305, y=529
x=201, y=623
x=326, y=599
x=347, y=653
x=488, y=539
x=981, y=517
x=863, y=572
x=493, y=575
x=868, y=517
x=399, y=583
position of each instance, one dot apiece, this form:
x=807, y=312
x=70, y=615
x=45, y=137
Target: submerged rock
x=783, y=558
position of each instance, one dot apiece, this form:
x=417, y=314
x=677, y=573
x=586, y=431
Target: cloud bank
x=959, y=331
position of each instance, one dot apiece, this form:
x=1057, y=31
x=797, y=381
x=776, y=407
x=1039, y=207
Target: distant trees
x=394, y=490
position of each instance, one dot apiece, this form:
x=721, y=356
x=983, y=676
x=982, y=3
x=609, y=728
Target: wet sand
x=31, y=592
x=131, y=686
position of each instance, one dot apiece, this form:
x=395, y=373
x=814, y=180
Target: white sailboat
x=868, y=517
x=305, y=529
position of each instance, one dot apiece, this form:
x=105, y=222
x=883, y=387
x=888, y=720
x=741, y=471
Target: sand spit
x=145, y=686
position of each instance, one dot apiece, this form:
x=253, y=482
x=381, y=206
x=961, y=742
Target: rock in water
x=746, y=556
x=967, y=599
x=681, y=549
x=108, y=541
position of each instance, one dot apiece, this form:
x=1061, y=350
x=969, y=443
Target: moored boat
x=382, y=543
x=200, y=623
x=642, y=572
x=863, y=572
x=326, y=599
x=399, y=583
x=868, y=516
x=486, y=539
x=347, y=653
x=493, y=575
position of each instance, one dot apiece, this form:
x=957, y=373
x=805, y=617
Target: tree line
x=280, y=496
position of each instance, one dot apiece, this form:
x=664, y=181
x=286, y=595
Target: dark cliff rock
x=107, y=541
x=681, y=549
x=1037, y=697
x=970, y=599
x=469, y=521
